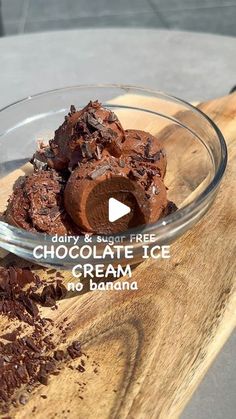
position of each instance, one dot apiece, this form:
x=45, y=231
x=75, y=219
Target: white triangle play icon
x=117, y=210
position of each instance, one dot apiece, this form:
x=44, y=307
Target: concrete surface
x=214, y=16
x=188, y=65
x=215, y=397
x=192, y=66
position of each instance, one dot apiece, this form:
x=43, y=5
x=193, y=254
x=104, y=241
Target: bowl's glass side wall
x=191, y=142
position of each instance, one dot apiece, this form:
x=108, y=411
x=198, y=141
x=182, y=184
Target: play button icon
x=114, y=205
x=117, y=210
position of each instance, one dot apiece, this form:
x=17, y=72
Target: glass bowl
x=195, y=148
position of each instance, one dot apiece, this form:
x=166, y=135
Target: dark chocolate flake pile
x=28, y=355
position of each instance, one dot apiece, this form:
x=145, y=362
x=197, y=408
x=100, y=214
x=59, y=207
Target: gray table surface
x=189, y=65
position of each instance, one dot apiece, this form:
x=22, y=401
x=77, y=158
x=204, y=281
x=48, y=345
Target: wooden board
x=153, y=346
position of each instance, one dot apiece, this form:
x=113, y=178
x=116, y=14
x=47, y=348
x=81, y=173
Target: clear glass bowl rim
x=183, y=214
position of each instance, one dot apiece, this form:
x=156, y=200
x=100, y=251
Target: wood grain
x=152, y=347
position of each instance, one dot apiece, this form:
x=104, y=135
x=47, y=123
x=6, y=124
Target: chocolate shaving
x=11, y=337
x=74, y=350
x=55, y=212
x=42, y=377
x=43, y=211
x=38, y=164
x=29, y=305
x=49, y=153
x=121, y=163
x=59, y=355
x=112, y=117
x=99, y=172
x=147, y=147
x=30, y=343
x=72, y=109
x=98, y=153
x=50, y=294
x=157, y=156
x=85, y=150
x=61, y=291
x=94, y=122
x=133, y=175
x=141, y=171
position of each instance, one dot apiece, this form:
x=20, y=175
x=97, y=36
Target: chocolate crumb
x=59, y=355
x=42, y=377
x=80, y=368
x=23, y=400
x=74, y=350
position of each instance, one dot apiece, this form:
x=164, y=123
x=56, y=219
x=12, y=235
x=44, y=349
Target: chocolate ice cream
x=37, y=204
x=91, y=185
x=90, y=160
x=85, y=134
x=145, y=148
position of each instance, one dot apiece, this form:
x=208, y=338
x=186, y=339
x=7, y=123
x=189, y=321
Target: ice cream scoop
x=86, y=134
x=145, y=148
x=37, y=204
x=90, y=187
